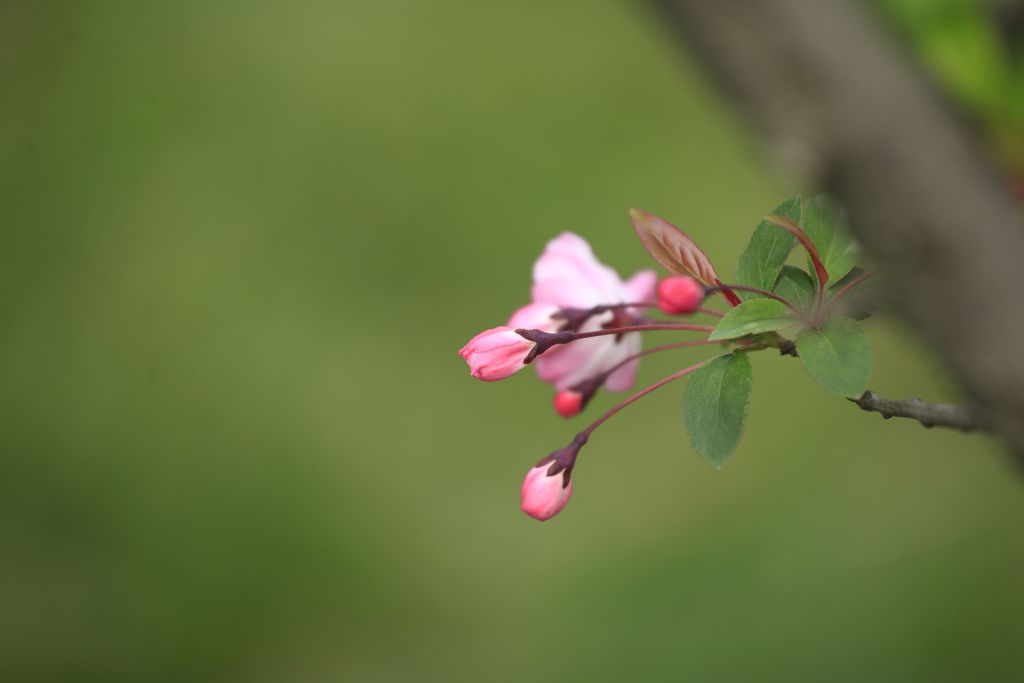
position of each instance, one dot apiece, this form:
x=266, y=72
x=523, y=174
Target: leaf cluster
x=781, y=305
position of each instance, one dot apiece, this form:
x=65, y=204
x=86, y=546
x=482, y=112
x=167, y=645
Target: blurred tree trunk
x=840, y=104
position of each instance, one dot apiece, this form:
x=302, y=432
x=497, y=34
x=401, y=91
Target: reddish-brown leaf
x=670, y=246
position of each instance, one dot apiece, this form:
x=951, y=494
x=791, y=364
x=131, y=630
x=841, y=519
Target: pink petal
x=641, y=287
x=623, y=378
x=561, y=366
x=568, y=275
x=566, y=366
x=535, y=317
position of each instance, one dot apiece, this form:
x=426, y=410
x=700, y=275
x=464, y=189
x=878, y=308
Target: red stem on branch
x=711, y=311
x=850, y=285
x=658, y=349
x=545, y=340
x=771, y=295
x=730, y=295
x=585, y=434
x=805, y=241
x=652, y=327
x=819, y=267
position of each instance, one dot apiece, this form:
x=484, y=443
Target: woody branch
x=841, y=105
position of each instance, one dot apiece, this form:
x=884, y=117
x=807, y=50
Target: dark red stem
x=585, y=434
x=730, y=295
x=595, y=310
x=545, y=340
x=819, y=267
x=657, y=349
x=805, y=240
x=850, y=285
x=771, y=295
x=653, y=327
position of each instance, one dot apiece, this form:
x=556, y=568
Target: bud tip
x=679, y=295
x=568, y=403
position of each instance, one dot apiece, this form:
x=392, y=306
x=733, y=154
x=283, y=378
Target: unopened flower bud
x=496, y=353
x=568, y=403
x=548, y=486
x=679, y=294
x=545, y=495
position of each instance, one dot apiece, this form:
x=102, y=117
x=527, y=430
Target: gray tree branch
x=964, y=418
x=841, y=104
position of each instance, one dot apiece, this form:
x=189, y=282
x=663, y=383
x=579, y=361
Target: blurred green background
x=242, y=245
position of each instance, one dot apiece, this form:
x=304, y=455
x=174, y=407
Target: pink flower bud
x=544, y=496
x=496, y=353
x=679, y=294
x=568, y=403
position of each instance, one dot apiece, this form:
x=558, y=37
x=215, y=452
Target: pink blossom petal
x=566, y=292
x=568, y=365
x=641, y=287
x=561, y=366
x=623, y=378
x=535, y=317
x=568, y=275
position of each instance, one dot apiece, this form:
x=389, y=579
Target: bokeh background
x=242, y=243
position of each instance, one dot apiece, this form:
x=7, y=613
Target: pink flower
x=567, y=275
x=679, y=294
x=496, y=353
x=545, y=496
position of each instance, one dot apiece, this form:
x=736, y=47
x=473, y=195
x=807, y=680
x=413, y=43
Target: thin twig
x=710, y=311
x=964, y=418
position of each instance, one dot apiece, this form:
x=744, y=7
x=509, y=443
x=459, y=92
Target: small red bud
x=568, y=403
x=679, y=294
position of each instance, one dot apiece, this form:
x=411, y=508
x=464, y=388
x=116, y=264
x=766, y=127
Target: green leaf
x=858, y=302
x=767, y=250
x=836, y=285
x=838, y=356
x=797, y=286
x=715, y=406
x=753, y=317
x=825, y=223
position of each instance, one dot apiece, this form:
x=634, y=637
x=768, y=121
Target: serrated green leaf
x=797, y=286
x=837, y=356
x=767, y=250
x=825, y=223
x=715, y=406
x=753, y=317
